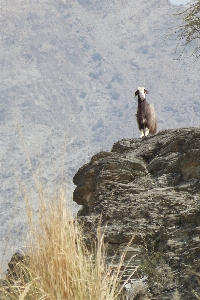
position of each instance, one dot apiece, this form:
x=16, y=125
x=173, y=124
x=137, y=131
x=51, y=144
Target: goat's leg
x=146, y=131
x=142, y=133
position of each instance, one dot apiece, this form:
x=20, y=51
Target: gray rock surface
x=148, y=190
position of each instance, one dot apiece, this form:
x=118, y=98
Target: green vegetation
x=190, y=30
x=160, y=276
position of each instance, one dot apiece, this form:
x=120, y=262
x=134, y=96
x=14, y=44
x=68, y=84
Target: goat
x=146, y=115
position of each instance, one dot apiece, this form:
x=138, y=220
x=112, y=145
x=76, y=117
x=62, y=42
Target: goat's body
x=146, y=117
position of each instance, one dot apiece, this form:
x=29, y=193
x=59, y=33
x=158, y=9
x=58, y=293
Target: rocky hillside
x=72, y=66
x=148, y=190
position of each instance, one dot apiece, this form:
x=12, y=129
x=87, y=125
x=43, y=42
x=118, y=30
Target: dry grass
x=60, y=265
x=57, y=264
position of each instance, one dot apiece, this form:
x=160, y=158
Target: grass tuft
x=60, y=266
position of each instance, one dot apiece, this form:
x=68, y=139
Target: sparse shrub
x=115, y=95
x=117, y=78
x=82, y=94
x=160, y=277
x=96, y=57
x=137, y=291
x=109, y=86
x=97, y=74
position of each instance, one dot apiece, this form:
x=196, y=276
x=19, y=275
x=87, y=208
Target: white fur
x=144, y=132
x=141, y=91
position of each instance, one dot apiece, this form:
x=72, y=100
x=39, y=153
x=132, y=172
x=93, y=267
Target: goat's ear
x=136, y=93
x=146, y=92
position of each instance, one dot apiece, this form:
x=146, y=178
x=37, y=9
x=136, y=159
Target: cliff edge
x=148, y=190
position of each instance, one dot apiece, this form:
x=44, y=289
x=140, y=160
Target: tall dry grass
x=60, y=265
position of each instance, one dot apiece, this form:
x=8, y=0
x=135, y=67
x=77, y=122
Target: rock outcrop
x=148, y=191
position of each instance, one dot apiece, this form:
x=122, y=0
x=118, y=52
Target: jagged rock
x=17, y=275
x=16, y=267
x=148, y=190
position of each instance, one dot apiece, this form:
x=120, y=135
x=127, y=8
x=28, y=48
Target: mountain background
x=69, y=70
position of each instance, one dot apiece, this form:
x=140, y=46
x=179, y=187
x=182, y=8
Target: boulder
x=146, y=192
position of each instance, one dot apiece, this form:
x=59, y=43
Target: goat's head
x=141, y=92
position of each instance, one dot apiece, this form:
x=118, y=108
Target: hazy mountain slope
x=73, y=66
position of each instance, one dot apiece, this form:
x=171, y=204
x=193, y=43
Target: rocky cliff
x=148, y=190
